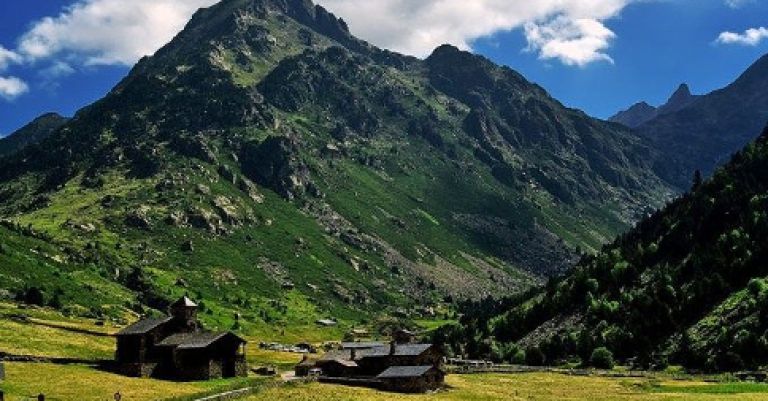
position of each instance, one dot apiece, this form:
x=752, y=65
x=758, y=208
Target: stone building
x=397, y=367
x=176, y=347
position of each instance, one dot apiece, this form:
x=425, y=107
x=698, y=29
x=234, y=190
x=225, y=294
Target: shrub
x=31, y=296
x=519, y=358
x=602, y=358
x=534, y=357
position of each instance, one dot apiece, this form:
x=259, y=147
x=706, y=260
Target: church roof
x=144, y=326
x=195, y=340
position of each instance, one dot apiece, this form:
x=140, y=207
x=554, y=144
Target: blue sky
x=596, y=55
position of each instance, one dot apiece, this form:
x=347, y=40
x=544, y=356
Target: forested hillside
x=688, y=285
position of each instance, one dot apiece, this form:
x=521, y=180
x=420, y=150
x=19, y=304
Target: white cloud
x=750, y=37
x=103, y=32
x=56, y=70
x=12, y=87
x=574, y=42
x=569, y=30
x=7, y=58
x=737, y=3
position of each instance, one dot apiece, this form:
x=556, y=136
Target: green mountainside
x=688, y=285
x=32, y=133
x=274, y=166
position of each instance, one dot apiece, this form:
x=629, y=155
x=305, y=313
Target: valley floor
x=47, y=335
x=532, y=387
x=84, y=383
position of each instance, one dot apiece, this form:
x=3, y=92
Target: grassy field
x=40, y=332
x=533, y=387
x=84, y=383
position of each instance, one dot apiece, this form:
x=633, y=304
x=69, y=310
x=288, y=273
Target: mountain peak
x=679, y=100
x=445, y=49
x=683, y=91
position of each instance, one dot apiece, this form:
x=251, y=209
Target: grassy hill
x=686, y=286
x=280, y=170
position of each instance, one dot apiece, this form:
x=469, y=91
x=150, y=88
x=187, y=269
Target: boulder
x=227, y=210
x=275, y=164
x=205, y=219
x=139, y=218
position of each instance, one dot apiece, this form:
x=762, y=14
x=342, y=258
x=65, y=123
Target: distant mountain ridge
x=704, y=134
x=642, y=112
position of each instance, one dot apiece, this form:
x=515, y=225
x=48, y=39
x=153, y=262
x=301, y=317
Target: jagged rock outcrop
x=642, y=112
x=275, y=163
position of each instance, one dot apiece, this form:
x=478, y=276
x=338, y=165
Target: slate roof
x=194, y=340
x=342, y=362
x=400, y=372
x=377, y=352
x=144, y=326
x=400, y=350
x=337, y=354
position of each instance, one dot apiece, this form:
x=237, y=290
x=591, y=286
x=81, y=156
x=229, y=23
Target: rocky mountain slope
x=32, y=133
x=686, y=286
x=275, y=166
x=642, y=112
x=703, y=135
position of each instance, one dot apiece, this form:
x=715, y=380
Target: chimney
x=392, y=347
x=352, y=354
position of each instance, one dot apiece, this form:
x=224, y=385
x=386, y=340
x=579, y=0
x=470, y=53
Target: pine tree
x=697, y=180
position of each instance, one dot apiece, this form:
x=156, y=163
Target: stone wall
x=139, y=369
x=241, y=367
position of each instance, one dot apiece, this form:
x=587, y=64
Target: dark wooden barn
x=176, y=347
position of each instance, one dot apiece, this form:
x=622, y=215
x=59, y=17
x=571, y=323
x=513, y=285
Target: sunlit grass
x=535, y=387
x=47, y=334
x=84, y=383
